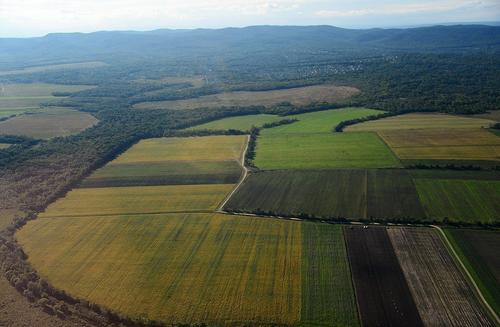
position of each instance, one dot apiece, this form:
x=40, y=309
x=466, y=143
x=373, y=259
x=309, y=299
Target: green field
x=472, y=201
x=330, y=194
x=419, y=121
x=310, y=143
x=321, y=121
x=194, y=268
x=4, y=145
x=322, y=150
x=48, y=123
x=455, y=174
x=242, y=123
x=327, y=293
x=478, y=250
x=174, y=161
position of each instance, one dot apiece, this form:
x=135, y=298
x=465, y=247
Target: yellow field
x=207, y=148
x=297, y=96
x=4, y=145
x=180, y=268
x=138, y=199
x=419, y=121
x=456, y=144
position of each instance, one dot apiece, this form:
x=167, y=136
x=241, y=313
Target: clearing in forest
x=46, y=68
x=16, y=99
x=441, y=292
x=296, y=96
x=48, y=123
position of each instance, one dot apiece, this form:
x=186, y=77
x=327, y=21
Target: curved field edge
x=487, y=287
x=199, y=268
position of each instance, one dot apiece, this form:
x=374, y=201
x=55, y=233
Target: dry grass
x=16, y=99
x=419, y=121
x=216, y=269
x=297, y=96
x=37, y=69
x=493, y=115
x=456, y=144
x=442, y=295
x=138, y=199
x=48, y=123
x=207, y=148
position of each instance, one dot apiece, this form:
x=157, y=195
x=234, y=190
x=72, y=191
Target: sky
x=26, y=18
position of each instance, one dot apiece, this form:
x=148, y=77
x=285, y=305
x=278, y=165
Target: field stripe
x=469, y=276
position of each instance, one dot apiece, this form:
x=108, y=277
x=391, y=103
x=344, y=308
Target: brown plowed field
x=442, y=294
x=383, y=296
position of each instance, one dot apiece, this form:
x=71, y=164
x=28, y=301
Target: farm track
x=469, y=276
x=242, y=179
x=128, y=214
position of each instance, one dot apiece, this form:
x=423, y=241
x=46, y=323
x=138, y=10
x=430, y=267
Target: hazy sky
x=38, y=17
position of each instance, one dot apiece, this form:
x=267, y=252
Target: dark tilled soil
x=383, y=296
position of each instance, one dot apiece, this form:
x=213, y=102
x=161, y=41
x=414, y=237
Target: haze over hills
x=237, y=42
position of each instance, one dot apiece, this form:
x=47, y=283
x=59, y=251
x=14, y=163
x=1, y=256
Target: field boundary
x=220, y=208
x=468, y=274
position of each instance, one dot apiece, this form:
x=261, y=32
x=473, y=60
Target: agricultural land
x=161, y=252
x=241, y=123
x=492, y=115
x=419, y=121
x=310, y=143
x=296, y=96
x=330, y=194
x=47, y=123
x=382, y=292
x=174, y=161
x=479, y=249
x=57, y=67
x=442, y=294
x=16, y=99
x=472, y=201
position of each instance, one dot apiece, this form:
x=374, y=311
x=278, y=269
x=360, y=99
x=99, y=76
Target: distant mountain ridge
x=108, y=46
